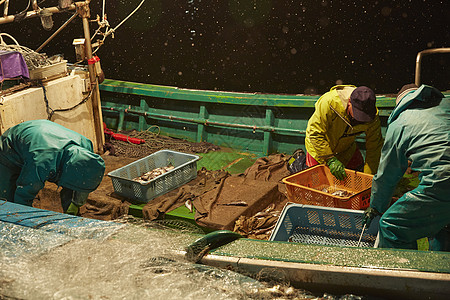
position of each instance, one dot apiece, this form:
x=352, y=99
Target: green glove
x=72, y=209
x=369, y=214
x=336, y=168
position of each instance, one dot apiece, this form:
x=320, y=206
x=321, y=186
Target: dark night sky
x=269, y=46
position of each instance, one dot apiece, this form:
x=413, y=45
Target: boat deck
x=389, y=273
x=385, y=273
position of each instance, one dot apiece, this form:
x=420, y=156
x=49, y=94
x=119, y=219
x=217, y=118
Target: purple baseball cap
x=363, y=104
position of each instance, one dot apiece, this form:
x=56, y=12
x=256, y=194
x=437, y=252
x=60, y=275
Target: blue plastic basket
x=309, y=224
x=185, y=169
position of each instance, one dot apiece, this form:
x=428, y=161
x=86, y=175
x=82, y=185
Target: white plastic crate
x=185, y=169
x=49, y=71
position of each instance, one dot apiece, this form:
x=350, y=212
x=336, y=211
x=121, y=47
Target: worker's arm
x=337, y=168
x=30, y=181
x=72, y=200
x=318, y=126
x=393, y=164
x=374, y=143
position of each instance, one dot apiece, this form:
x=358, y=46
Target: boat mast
x=84, y=12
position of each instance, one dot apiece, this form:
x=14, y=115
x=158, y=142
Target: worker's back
x=36, y=136
x=424, y=131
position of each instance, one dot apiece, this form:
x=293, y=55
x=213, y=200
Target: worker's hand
x=72, y=210
x=336, y=168
x=369, y=214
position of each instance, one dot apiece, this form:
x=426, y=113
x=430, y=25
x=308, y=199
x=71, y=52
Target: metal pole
x=31, y=14
x=207, y=122
x=360, y=237
x=419, y=60
x=83, y=11
x=5, y=10
x=56, y=32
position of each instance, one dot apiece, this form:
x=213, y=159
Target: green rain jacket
x=330, y=133
x=40, y=150
x=418, y=130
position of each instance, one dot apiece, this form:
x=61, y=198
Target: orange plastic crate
x=307, y=187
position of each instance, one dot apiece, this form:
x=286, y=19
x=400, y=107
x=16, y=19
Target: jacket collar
x=424, y=93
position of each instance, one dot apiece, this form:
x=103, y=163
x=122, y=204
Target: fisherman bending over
x=37, y=151
x=418, y=131
x=340, y=116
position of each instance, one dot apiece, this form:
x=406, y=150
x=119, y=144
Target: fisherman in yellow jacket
x=340, y=116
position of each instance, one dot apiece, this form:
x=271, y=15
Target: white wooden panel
x=61, y=93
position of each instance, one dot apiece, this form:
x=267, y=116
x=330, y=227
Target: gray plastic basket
x=185, y=169
x=310, y=224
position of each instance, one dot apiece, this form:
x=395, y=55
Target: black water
x=302, y=46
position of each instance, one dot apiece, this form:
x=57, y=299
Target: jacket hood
x=82, y=170
x=424, y=93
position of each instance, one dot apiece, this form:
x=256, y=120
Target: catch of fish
x=339, y=193
x=146, y=177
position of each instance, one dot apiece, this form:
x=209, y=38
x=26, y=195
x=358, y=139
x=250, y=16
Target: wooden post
x=84, y=12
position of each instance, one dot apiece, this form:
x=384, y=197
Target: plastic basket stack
x=325, y=210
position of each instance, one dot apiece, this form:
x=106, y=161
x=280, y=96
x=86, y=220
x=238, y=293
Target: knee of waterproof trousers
x=392, y=236
x=66, y=196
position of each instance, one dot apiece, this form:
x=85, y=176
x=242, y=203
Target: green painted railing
x=255, y=122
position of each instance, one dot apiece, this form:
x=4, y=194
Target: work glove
x=369, y=214
x=72, y=210
x=336, y=168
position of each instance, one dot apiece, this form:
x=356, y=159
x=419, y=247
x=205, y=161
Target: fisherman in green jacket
x=418, y=131
x=341, y=115
x=37, y=151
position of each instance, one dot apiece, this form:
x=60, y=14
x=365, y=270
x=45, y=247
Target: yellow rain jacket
x=330, y=133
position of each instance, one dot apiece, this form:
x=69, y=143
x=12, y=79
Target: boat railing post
x=419, y=61
x=269, y=121
x=201, y=127
x=142, y=118
x=121, y=120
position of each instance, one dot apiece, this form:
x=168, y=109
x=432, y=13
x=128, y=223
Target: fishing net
x=32, y=58
x=153, y=143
